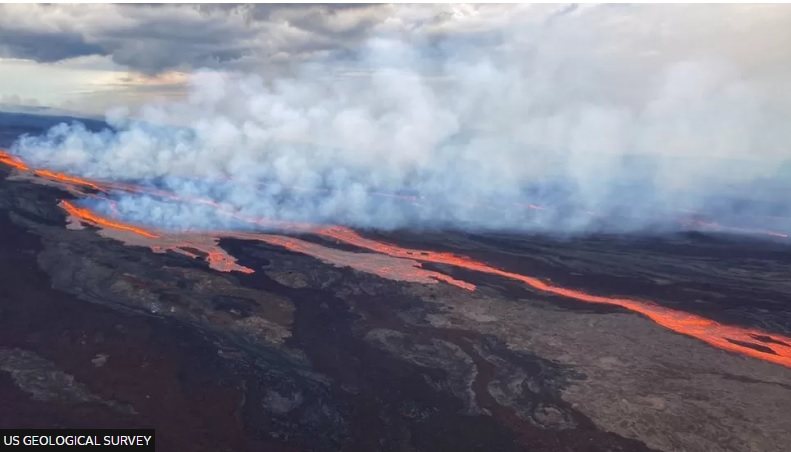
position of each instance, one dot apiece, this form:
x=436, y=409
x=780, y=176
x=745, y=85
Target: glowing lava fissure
x=12, y=161
x=765, y=346
x=67, y=179
x=401, y=269
x=89, y=216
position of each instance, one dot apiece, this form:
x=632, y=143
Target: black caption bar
x=137, y=440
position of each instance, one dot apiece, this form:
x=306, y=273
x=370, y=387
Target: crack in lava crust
x=394, y=262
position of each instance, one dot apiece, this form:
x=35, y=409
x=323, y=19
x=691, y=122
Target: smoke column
x=453, y=134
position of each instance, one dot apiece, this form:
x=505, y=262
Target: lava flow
x=399, y=269
x=723, y=336
x=401, y=263
x=89, y=216
x=59, y=177
x=184, y=243
x=13, y=161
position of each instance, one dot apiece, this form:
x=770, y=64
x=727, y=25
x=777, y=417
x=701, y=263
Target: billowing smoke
x=545, y=131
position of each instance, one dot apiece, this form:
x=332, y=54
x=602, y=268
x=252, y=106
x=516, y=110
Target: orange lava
x=87, y=215
x=47, y=174
x=217, y=258
x=698, y=327
x=404, y=266
x=13, y=161
x=399, y=269
x=222, y=261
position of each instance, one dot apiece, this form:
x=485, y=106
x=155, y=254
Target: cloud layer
x=153, y=39
x=607, y=126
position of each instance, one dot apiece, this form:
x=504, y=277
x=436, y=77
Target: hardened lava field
x=312, y=337
x=396, y=227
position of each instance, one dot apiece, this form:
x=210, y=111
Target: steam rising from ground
x=602, y=139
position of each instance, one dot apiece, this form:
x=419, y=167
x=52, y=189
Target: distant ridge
x=45, y=120
x=43, y=111
x=15, y=124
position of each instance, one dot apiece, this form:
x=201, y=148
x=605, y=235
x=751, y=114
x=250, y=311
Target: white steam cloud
x=601, y=139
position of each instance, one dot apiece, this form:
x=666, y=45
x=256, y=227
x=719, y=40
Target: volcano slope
x=331, y=339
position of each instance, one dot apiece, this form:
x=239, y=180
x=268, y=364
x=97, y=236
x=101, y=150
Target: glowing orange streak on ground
x=17, y=163
x=225, y=263
x=689, y=324
x=400, y=269
x=698, y=327
x=66, y=178
x=87, y=215
x=13, y=161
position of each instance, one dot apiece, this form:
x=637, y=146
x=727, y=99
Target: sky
x=91, y=58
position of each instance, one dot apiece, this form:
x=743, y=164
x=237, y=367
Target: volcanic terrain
x=316, y=337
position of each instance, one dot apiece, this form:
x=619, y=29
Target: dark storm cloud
x=165, y=42
x=321, y=19
x=156, y=38
x=45, y=46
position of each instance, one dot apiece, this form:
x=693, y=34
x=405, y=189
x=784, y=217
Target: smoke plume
x=545, y=130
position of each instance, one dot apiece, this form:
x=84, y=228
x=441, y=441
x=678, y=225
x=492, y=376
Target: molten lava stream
x=13, y=161
x=698, y=327
x=718, y=335
x=86, y=214
x=378, y=264
x=60, y=177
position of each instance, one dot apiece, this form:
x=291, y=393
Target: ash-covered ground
x=302, y=354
